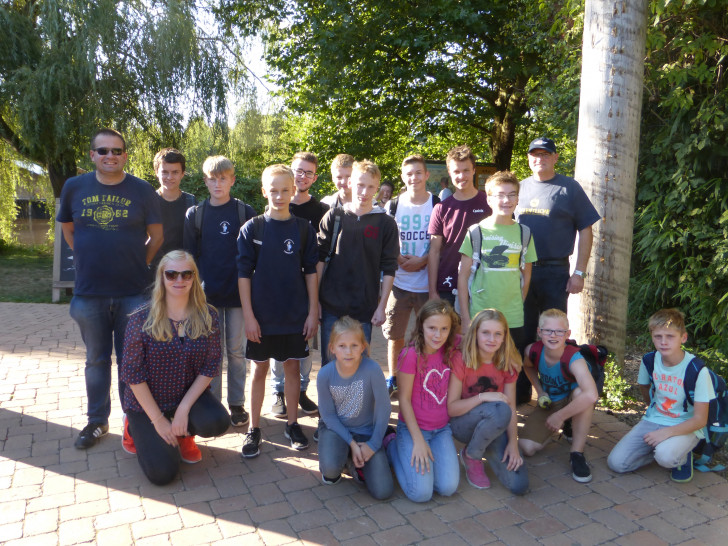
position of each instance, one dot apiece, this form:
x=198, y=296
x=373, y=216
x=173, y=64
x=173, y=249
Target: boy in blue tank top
x=559, y=398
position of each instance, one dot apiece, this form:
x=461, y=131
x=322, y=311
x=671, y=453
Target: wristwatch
x=582, y=274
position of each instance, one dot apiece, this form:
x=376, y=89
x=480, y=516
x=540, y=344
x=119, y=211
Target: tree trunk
x=606, y=162
x=59, y=172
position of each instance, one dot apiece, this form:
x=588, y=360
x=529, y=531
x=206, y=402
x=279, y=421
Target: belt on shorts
x=557, y=261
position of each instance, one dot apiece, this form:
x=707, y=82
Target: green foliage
x=681, y=228
x=378, y=77
x=68, y=67
x=616, y=387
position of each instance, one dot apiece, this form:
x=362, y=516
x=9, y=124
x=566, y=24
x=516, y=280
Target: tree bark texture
x=606, y=162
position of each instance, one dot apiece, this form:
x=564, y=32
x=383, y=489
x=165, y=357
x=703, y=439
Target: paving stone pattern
x=52, y=493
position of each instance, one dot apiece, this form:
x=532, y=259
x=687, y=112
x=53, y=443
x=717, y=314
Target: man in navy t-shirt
x=111, y=221
x=556, y=208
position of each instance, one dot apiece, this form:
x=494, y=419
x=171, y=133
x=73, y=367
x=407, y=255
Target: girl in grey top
x=354, y=407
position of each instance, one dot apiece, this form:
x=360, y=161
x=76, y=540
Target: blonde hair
x=342, y=160
x=279, y=168
x=555, y=314
x=368, y=167
x=417, y=337
x=199, y=320
x=500, y=178
x=343, y=325
x=217, y=164
x=506, y=358
x=668, y=318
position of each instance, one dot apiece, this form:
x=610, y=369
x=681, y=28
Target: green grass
x=26, y=274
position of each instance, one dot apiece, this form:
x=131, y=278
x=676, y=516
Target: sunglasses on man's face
x=172, y=275
x=105, y=151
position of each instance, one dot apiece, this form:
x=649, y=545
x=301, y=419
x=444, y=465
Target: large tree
x=606, y=161
x=374, y=71
x=70, y=66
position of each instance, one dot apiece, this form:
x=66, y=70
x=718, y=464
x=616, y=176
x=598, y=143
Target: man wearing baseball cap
x=556, y=208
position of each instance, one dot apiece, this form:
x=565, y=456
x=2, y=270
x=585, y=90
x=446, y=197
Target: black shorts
x=281, y=347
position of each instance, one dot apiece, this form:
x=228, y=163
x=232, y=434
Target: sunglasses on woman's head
x=172, y=275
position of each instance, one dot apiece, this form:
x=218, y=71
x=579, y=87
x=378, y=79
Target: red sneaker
x=474, y=471
x=188, y=450
x=127, y=442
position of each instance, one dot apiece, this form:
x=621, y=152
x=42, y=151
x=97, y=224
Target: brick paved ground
x=51, y=493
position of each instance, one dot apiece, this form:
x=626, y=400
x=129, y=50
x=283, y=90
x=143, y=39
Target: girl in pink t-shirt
x=422, y=451
x=481, y=402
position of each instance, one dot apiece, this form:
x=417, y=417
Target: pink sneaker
x=474, y=471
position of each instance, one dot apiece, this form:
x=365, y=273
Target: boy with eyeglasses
x=566, y=390
x=112, y=222
x=211, y=230
x=306, y=206
x=505, y=255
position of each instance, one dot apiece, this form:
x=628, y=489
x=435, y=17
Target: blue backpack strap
x=649, y=362
x=690, y=379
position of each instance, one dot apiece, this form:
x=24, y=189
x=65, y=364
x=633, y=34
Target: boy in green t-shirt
x=502, y=279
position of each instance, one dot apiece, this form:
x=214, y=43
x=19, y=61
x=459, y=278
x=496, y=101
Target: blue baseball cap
x=542, y=143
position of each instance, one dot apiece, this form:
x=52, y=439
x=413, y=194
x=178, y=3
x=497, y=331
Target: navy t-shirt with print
x=109, y=233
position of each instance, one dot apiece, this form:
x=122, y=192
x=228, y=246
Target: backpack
x=595, y=356
x=243, y=216
x=259, y=232
x=716, y=430
x=476, y=241
x=394, y=201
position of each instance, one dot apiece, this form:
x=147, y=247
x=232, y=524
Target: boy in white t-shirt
x=412, y=210
x=671, y=426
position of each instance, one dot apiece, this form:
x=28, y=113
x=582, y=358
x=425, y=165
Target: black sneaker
x=238, y=416
x=330, y=481
x=294, y=433
x=90, y=435
x=315, y=433
x=251, y=444
x=308, y=406
x=566, y=431
x=279, y=405
x=580, y=468
x=683, y=473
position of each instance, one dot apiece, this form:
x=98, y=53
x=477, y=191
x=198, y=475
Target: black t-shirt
x=312, y=210
x=173, y=221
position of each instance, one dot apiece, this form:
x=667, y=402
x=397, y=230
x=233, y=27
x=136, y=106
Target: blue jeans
x=327, y=322
x=102, y=323
x=484, y=431
x=232, y=337
x=277, y=379
x=334, y=453
x=444, y=474
x=159, y=460
x=632, y=452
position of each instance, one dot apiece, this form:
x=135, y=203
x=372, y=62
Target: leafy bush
x=681, y=223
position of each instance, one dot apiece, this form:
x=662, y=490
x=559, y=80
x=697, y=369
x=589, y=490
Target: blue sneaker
x=684, y=472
